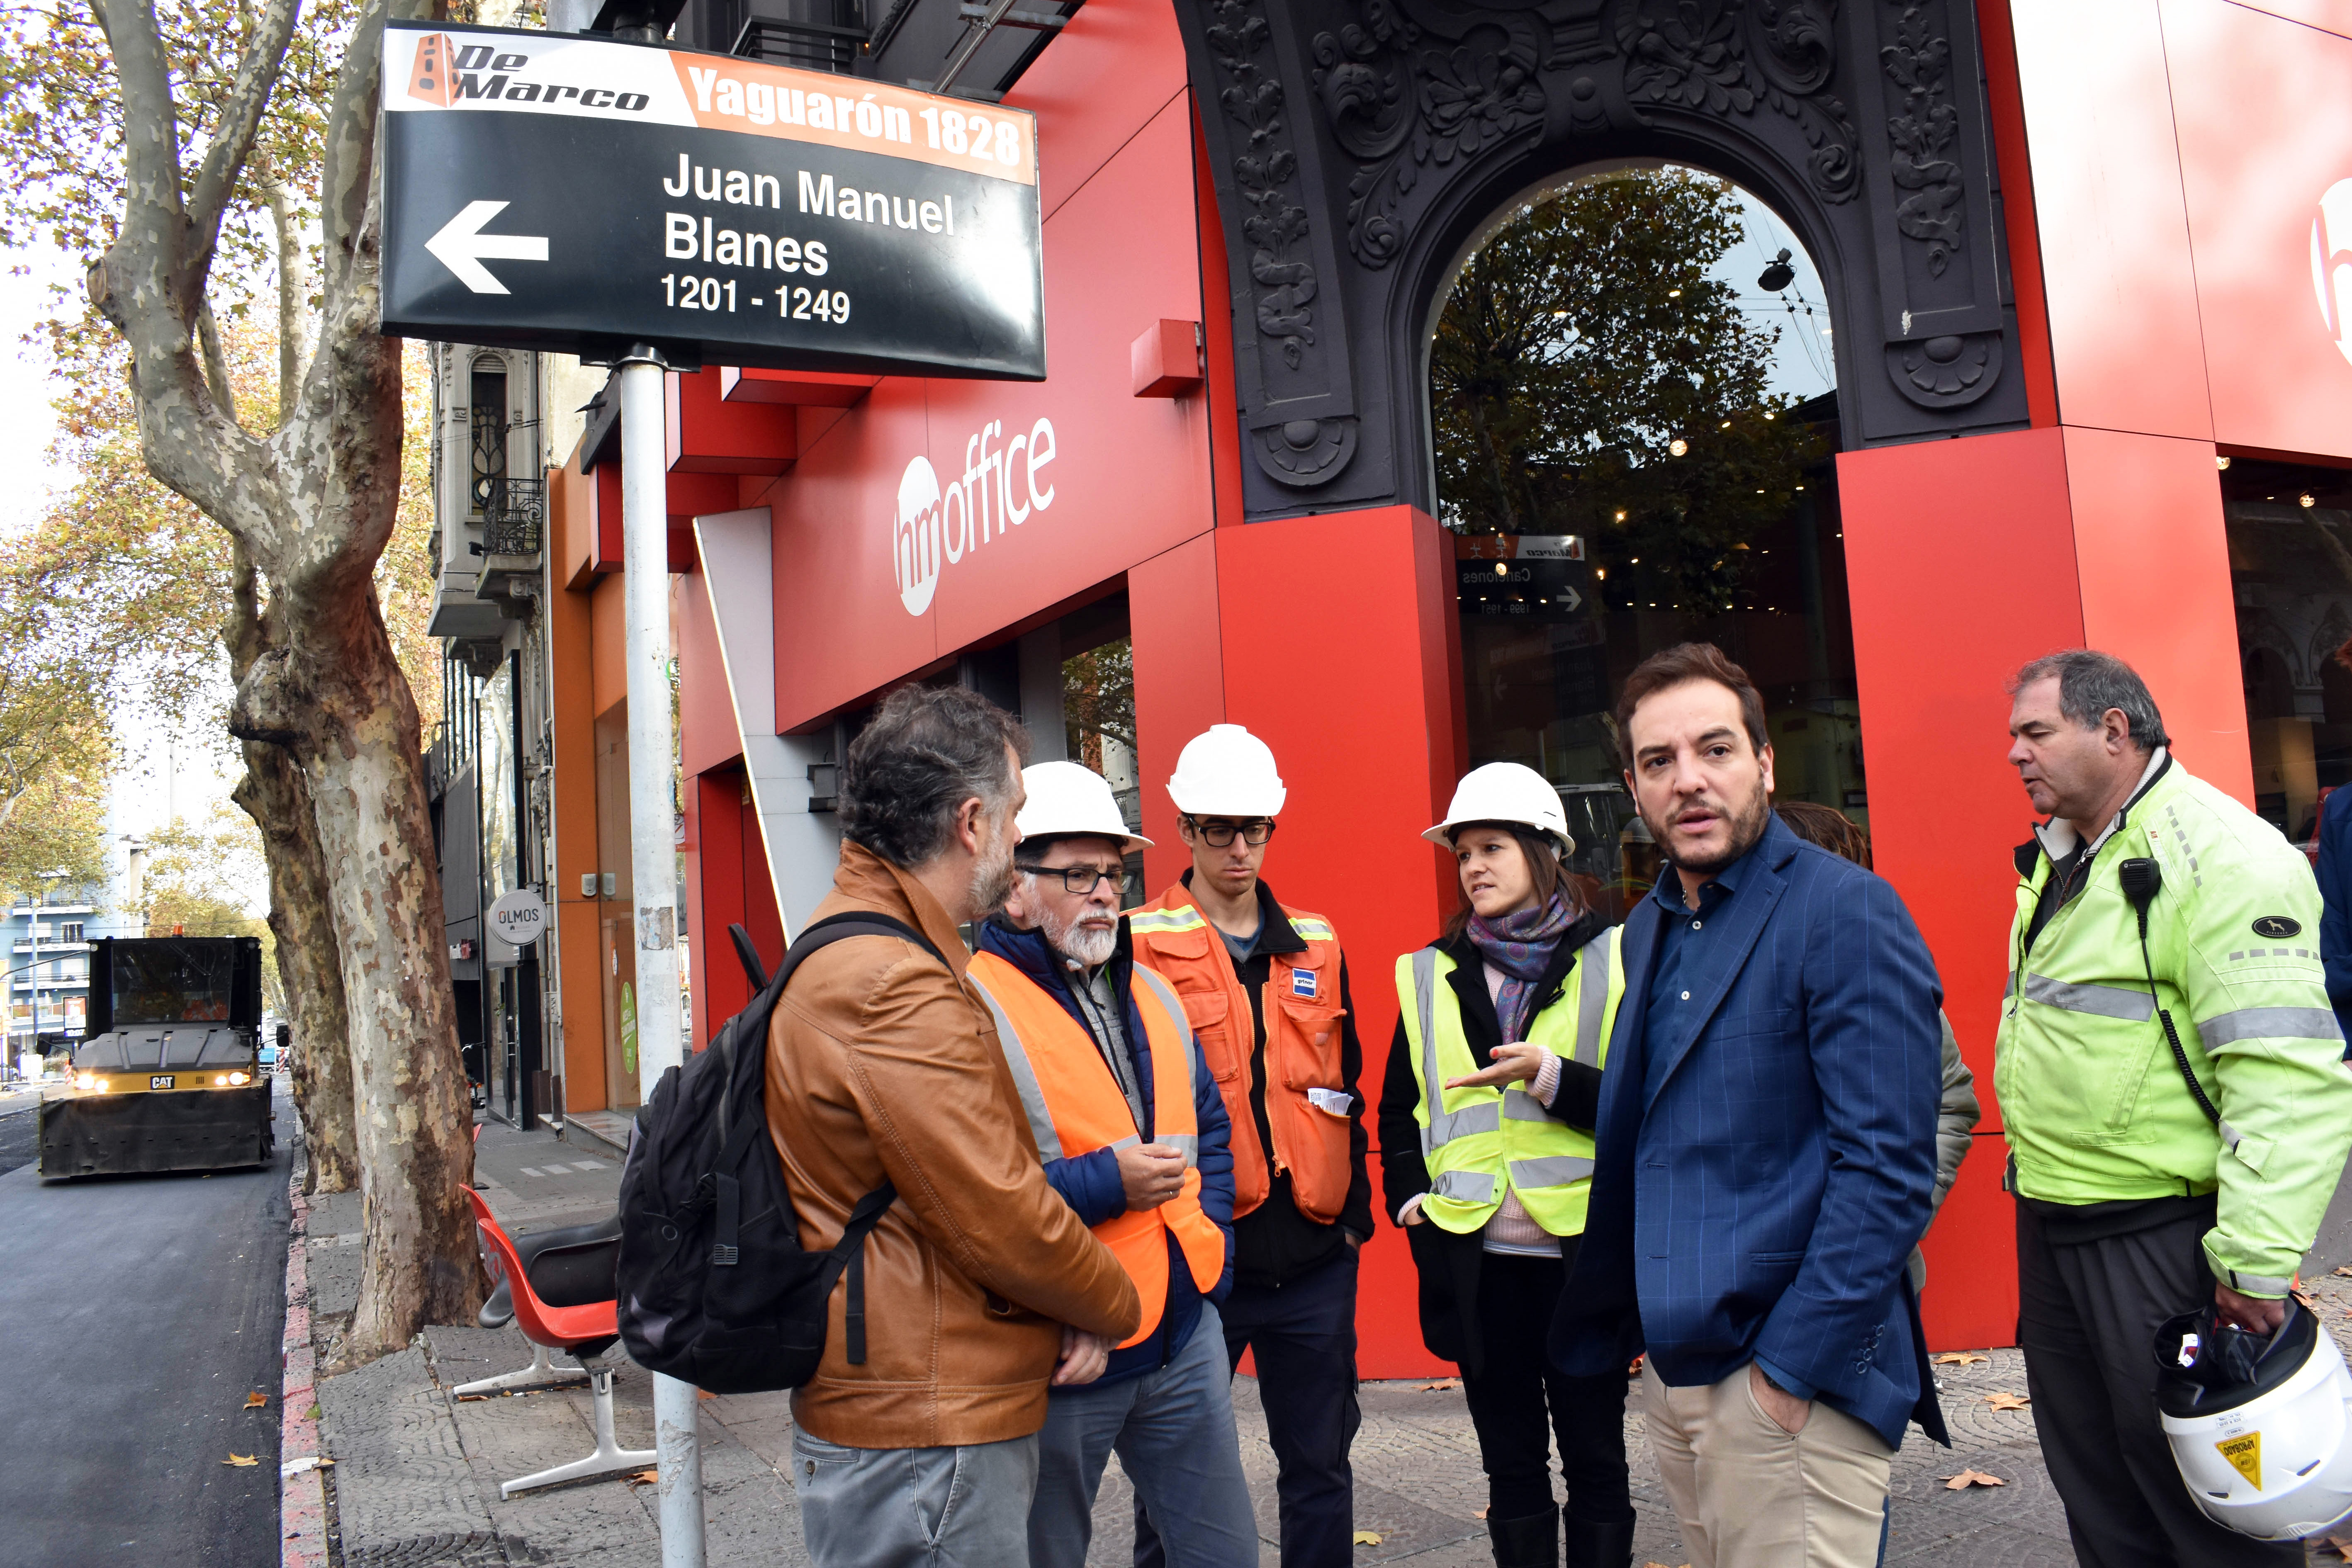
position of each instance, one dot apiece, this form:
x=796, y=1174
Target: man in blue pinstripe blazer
x=1766, y=1149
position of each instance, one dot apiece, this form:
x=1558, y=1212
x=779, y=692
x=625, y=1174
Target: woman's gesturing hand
x=1513, y=1064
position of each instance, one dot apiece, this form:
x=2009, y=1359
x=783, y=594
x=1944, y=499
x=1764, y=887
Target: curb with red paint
x=301, y=1493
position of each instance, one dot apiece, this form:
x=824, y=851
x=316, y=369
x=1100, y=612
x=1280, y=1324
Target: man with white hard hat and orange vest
x=1265, y=989
x=1133, y=1135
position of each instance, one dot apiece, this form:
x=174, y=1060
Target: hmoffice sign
x=552, y=191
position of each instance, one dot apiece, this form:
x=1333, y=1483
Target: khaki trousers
x=1750, y=1495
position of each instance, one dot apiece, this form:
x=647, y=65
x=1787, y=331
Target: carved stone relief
x=1295, y=452
x=1873, y=107
x=1727, y=56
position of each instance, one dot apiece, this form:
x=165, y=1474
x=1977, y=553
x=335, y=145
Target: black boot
x=1591, y=1545
x=1529, y=1542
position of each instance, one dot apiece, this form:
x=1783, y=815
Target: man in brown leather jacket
x=981, y=1285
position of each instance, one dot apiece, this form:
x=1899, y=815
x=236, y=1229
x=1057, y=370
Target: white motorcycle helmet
x=2265, y=1456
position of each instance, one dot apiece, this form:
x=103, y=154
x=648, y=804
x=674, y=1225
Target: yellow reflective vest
x=1479, y=1142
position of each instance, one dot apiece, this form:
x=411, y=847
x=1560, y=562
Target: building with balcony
x=50, y=932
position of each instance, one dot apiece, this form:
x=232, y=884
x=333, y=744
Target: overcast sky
x=26, y=422
x=1803, y=364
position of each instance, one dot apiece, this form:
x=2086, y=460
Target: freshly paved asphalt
x=141, y=1311
x=17, y=1126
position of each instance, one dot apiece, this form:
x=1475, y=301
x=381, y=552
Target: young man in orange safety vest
x=1265, y=990
x=1133, y=1134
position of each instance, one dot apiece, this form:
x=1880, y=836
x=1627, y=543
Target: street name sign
x=546, y=190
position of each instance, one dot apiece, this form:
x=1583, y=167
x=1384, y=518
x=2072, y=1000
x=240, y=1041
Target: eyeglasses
x=1220, y=835
x=1079, y=879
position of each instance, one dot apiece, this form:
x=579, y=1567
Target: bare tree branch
x=224, y=164
x=215, y=360
x=345, y=176
x=293, y=295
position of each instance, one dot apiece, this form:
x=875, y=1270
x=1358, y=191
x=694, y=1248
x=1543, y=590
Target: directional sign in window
x=552, y=191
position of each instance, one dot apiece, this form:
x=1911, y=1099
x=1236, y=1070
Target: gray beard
x=992, y=877
x=1090, y=946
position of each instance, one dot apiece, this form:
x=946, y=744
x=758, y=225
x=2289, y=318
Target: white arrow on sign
x=1570, y=598
x=462, y=247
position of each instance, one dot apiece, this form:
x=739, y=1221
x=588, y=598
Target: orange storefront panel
x=2120, y=287
x=1960, y=560
x=937, y=513
x=2266, y=125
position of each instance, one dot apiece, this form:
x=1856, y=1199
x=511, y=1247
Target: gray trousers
x=2087, y=1315
x=915, y=1508
x=1173, y=1431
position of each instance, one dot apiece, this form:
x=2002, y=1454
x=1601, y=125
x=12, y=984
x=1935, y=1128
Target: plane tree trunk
x=274, y=793
x=313, y=504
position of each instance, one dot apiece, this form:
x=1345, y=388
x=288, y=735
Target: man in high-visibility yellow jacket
x=2172, y=1084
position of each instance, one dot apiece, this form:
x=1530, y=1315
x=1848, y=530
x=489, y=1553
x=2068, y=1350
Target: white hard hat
x=1506, y=791
x=1226, y=772
x=2266, y=1457
x=1065, y=798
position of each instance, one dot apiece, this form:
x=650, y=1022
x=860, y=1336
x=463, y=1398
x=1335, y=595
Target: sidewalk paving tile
x=417, y=1473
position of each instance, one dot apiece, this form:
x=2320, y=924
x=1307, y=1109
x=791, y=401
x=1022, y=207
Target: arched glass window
x=1635, y=419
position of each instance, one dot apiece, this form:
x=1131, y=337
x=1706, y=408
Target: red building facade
x=1252, y=213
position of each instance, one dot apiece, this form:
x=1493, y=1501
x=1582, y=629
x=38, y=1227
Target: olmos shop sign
x=935, y=526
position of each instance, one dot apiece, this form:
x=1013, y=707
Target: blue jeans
x=1173, y=1431
x=915, y=1508
x=1304, y=1335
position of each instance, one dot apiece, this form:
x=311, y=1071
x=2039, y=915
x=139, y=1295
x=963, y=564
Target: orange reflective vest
x=1302, y=1046
x=1074, y=1106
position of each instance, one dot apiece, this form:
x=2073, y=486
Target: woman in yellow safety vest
x=1493, y=1081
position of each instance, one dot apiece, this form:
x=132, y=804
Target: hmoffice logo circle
x=2331, y=261
x=915, y=536
x=937, y=525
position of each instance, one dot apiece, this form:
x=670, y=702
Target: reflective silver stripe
x=2102, y=1001
x=1189, y=1144
x=1314, y=930
x=2259, y=1284
x=1591, y=998
x=1464, y=1186
x=1553, y=1171
x=2008, y=988
x=1166, y=920
x=1132, y=1140
x=2270, y=1023
x=1520, y=1106
x=1024, y=1077
x=1175, y=1011
x=1433, y=1085
x=1486, y=1116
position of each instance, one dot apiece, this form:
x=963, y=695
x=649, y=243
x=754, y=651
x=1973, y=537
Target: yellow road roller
x=168, y=1075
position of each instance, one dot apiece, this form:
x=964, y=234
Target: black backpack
x=713, y=1287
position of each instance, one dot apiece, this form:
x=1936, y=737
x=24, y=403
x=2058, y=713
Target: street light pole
x=653, y=860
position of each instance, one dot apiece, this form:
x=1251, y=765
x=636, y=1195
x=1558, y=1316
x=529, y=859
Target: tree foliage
x=200, y=881
x=54, y=831
x=1099, y=699
x=62, y=136
x=1589, y=377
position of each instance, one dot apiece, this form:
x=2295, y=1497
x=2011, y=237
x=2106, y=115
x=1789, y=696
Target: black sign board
x=545, y=191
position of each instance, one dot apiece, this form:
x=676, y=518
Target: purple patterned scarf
x=1521, y=944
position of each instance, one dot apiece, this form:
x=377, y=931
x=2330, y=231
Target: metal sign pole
x=653, y=862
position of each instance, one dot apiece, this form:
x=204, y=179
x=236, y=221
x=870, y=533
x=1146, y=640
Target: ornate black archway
x=1357, y=145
